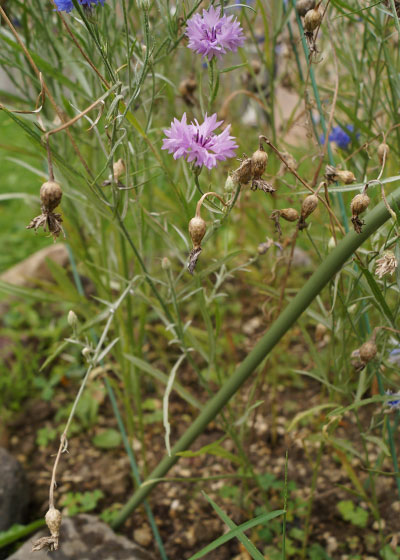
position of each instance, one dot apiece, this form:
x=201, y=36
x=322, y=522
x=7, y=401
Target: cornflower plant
x=104, y=93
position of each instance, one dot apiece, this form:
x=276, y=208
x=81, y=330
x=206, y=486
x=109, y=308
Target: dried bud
x=289, y=161
x=359, y=204
x=309, y=205
x=230, y=184
x=165, y=263
x=119, y=169
x=186, y=89
x=72, y=319
x=346, y=177
x=50, y=195
x=383, y=152
x=197, y=230
x=334, y=174
x=320, y=332
x=368, y=351
x=312, y=20
x=244, y=173
x=53, y=521
x=289, y=214
x=303, y=6
x=259, y=162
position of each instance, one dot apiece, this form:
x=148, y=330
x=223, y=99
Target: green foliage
x=107, y=439
x=45, y=436
x=81, y=502
x=18, y=532
x=354, y=514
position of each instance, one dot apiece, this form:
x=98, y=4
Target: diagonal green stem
x=325, y=272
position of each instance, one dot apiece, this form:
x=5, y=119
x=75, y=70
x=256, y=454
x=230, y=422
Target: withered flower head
x=260, y=184
x=368, y=351
x=312, y=20
x=289, y=214
x=333, y=174
x=383, y=152
x=387, y=264
x=303, y=6
x=50, y=195
x=309, y=205
x=119, y=169
x=244, y=173
x=259, y=162
x=358, y=205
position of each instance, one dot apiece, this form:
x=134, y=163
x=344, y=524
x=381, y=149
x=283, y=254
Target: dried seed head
x=244, y=173
x=303, y=6
x=368, y=351
x=119, y=169
x=387, y=264
x=344, y=176
x=312, y=20
x=260, y=184
x=50, y=195
x=309, y=205
x=290, y=161
x=259, y=162
x=53, y=521
x=289, y=214
x=383, y=152
x=197, y=230
x=359, y=204
x=334, y=174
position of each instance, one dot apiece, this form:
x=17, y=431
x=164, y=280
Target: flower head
x=67, y=5
x=340, y=136
x=198, y=143
x=212, y=35
x=395, y=403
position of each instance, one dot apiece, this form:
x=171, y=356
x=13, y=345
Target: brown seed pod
x=244, y=173
x=303, y=6
x=309, y=205
x=259, y=162
x=53, y=521
x=312, y=20
x=344, y=176
x=50, y=195
x=197, y=230
x=289, y=214
x=383, y=152
x=368, y=351
x=359, y=204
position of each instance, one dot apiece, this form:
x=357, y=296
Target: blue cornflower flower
x=339, y=136
x=67, y=5
x=395, y=403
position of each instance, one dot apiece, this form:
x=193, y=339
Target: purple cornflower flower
x=339, y=136
x=67, y=5
x=395, y=404
x=212, y=34
x=196, y=142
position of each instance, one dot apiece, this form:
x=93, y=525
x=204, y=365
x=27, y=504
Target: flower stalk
x=325, y=272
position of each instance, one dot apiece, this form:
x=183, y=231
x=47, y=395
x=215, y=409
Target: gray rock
x=13, y=491
x=85, y=537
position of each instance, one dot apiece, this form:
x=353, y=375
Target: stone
x=34, y=267
x=85, y=537
x=14, y=495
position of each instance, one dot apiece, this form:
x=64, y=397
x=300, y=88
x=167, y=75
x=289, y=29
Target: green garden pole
x=324, y=273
